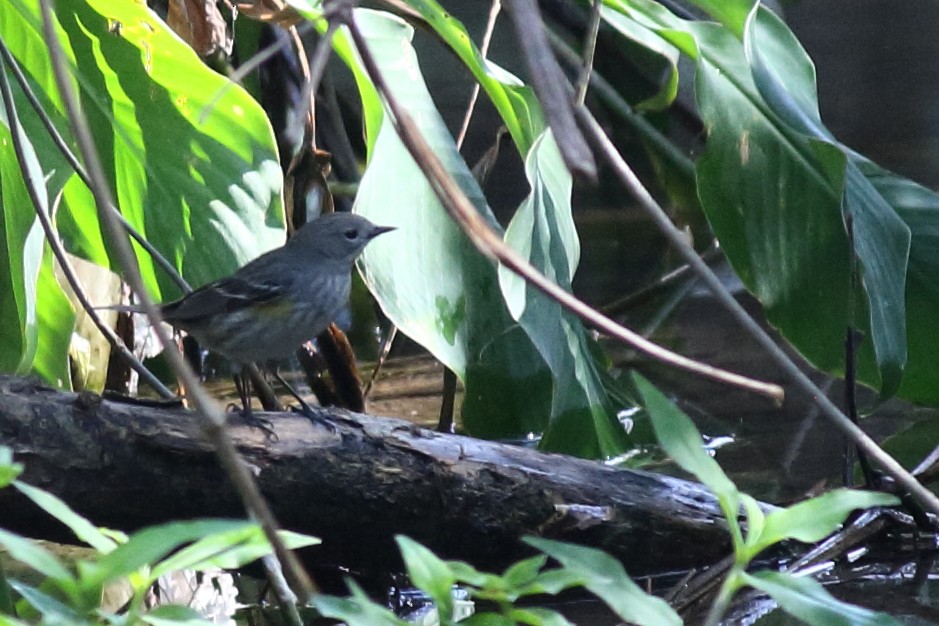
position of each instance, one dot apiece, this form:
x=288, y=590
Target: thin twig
x=494, y=11
x=590, y=47
x=213, y=417
x=677, y=238
x=73, y=161
x=58, y=250
x=490, y=243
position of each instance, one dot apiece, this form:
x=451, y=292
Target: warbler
x=271, y=306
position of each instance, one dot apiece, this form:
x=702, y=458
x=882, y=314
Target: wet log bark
x=126, y=466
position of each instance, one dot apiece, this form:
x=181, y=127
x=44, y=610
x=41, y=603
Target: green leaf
x=515, y=102
x=554, y=581
x=539, y=617
x=190, y=157
x=682, y=441
x=731, y=13
x=23, y=269
x=428, y=573
x=174, y=615
x=523, y=573
x=542, y=231
x=227, y=549
x=57, y=508
x=488, y=619
x=443, y=293
x=773, y=184
x=605, y=577
x=807, y=601
x=37, y=558
x=357, y=610
x=813, y=520
x=881, y=239
x=919, y=209
x=149, y=545
x=466, y=573
x=52, y=610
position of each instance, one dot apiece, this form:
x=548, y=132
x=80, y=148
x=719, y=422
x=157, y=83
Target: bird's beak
x=378, y=230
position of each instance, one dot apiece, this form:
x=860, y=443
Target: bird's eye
x=351, y=234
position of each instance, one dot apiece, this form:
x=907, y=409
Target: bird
x=269, y=307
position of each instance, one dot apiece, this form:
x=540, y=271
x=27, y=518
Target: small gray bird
x=271, y=306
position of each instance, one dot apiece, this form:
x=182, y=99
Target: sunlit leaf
x=427, y=276
x=201, y=182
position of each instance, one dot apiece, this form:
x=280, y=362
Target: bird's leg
x=312, y=415
x=242, y=385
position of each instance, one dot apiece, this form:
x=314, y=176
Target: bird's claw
x=262, y=424
x=315, y=417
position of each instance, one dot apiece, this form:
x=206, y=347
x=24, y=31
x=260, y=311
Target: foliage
x=203, y=188
x=72, y=593
x=589, y=568
x=779, y=191
x=808, y=521
x=192, y=161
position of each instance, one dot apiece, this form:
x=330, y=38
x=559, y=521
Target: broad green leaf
x=228, y=549
x=206, y=191
x=881, y=239
x=773, y=183
x=554, y=581
x=37, y=558
x=427, y=276
x=919, y=209
x=814, y=519
x=54, y=506
x=542, y=231
x=356, y=610
x=807, y=601
x=428, y=573
x=149, y=545
x=524, y=572
x=605, y=577
x=466, y=573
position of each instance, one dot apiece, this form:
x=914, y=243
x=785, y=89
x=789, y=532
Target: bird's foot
x=316, y=417
x=247, y=417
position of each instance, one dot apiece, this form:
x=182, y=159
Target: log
x=127, y=466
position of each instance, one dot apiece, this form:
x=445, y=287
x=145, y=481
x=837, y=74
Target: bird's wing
x=223, y=296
